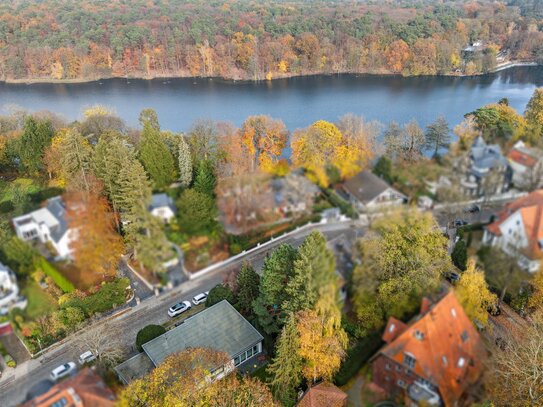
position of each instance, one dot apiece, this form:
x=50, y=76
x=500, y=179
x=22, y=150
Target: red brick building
x=435, y=360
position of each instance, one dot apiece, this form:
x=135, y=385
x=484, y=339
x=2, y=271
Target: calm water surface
x=297, y=101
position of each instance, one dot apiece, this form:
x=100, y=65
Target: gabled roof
x=365, y=186
x=447, y=349
x=219, y=327
x=161, y=201
x=531, y=210
x=323, y=394
x=86, y=389
x=523, y=155
x=53, y=215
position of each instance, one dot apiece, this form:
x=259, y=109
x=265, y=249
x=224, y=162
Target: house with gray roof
x=219, y=327
x=47, y=225
x=366, y=192
x=162, y=207
x=487, y=171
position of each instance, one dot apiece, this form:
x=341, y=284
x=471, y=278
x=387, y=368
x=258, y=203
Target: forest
x=66, y=40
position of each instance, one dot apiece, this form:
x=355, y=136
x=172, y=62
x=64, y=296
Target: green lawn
x=39, y=302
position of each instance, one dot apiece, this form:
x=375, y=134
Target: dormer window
x=409, y=360
x=453, y=312
x=419, y=335
x=461, y=362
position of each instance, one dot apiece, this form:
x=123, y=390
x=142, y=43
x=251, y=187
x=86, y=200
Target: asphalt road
x=15, y=383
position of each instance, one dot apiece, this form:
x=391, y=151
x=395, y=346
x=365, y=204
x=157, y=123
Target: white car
x=179, y=308
x=63, y=371
x=86, y=357
x=200, y=298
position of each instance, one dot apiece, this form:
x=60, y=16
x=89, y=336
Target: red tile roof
x=323, y=395
x=522, y=158
x=531, y=210
x=86, y=389
x=446, y=346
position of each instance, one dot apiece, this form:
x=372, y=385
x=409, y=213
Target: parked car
x=179, y=308
x=460, y=222
x=200, y=298
x=452, y=277
x=86, y=357
x=472, y=209
x=63, y=371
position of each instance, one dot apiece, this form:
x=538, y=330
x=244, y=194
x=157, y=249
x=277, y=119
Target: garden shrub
x=218, y=293
x=61, y=281
x=147, y=334
x=109, y=295
x=357, y=356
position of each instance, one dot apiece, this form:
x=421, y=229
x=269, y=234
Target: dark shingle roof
x=219, y=327
x=365, y=186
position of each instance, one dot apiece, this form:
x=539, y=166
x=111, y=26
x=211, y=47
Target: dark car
x=460, y=222
x=472, y=209
x=452, y=277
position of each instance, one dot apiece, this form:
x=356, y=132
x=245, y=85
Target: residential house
x=294, y=194
x=9, y=291
x=324, y=394
x=485, y=171
x=47, y=225
x=435, y=360
x=86, y=389
x=527, y=166
x=518, y=230
x=162, y=207
x=219, y=327
x=366, y=192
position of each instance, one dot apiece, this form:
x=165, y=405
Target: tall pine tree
x=286, y=367
x=205, y=180
x=36, y=137
x=248, y=282
x=185, y=163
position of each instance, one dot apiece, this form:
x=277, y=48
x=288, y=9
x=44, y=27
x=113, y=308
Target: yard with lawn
x=39, y=301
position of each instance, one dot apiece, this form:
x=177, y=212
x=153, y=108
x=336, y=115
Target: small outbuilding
x=366, y=191
x=162, y=207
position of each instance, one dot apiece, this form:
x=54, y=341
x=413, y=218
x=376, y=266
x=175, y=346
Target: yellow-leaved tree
x=474, y=295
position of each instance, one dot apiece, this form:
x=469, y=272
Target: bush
x=9, y=361
x=108, y=296
x=218, y=293
x=357, y=356
x=459, y=255
x=64, y=284
x=338, y=202
x=147, y=334
x=19, y=256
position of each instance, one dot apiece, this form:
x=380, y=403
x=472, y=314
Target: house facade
x=435, y=360
x=485, y=171
x=527, y=166
x=47, y=225
x=162, y=207
x=9, y=291
x=219, y=327
x=366, y=192
x=518, y=231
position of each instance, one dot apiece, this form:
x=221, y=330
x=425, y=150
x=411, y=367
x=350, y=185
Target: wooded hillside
x=240, y=39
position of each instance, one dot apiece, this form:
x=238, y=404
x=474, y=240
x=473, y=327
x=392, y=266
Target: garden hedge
x=63, y=283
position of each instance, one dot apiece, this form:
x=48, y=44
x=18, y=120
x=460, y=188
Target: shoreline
x=503, y=67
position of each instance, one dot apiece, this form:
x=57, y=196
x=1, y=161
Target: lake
x=297, y=101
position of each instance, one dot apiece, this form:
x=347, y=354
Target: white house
x=366, y=191
x=9, y=291
x=162, y=207
x=518, y=230
x=527, y=166
x=47, y=225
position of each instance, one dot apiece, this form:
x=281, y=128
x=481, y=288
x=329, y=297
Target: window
x=444, y=360
x=388, y=367
x=237, y=360
x=461, y=362
x=464, y=336
x=398, y=368
x=401, y=384
x=409, y=360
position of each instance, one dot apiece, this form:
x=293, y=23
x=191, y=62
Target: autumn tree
x=536, y=300
x=473, y=293
x=413, y=141
x=76, y=160
x=264, y=139
x=176, y=381
x=534, y=115
x=437, y=135
x=98, y=120
x=203, y=141
x=397, y=56
x=238, y=391
x=98, y=247
x=103, y=340
x=392, y=138
x=320, y=349
x=402, y=258
x=286, y=367
x=514, y=377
